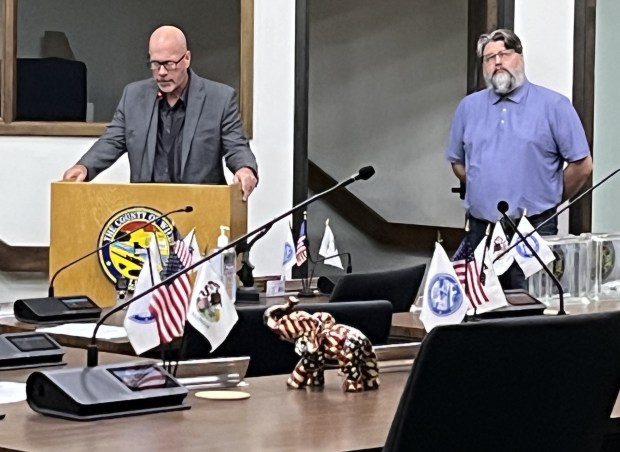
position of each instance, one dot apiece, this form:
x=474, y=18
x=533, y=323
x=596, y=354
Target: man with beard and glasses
x=175, y=127
x=517, y=142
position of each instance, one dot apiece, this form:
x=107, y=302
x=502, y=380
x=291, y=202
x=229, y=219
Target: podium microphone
x=502, y=206
x=93, y=352
x=78, y=307
x=556, y=214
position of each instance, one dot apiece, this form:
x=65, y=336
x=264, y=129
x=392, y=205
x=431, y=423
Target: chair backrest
x=399, y=286
x=50, y=89
x=540, y=383
x=270, y=355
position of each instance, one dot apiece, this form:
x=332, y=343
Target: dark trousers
x=514, y=277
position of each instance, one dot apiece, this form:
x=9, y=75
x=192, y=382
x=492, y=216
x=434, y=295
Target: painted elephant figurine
x=318, y=338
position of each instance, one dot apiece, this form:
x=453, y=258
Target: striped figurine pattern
x=318, y=338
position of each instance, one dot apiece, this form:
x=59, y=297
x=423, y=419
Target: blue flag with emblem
x=444, y=301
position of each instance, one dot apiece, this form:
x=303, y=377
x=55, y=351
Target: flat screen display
x=32, y=342
x=78, y=303
x=139, y=378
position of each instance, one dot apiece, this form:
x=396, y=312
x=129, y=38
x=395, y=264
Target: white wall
x=546, y=31
x=605, y=213
x=274, y=50
x=385, y=80
x=29, y=164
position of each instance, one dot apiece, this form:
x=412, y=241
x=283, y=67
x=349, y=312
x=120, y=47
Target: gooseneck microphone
x=92, y=353
x=502, y=206
x=123, y=236
x=364, y=173
x=556, y=214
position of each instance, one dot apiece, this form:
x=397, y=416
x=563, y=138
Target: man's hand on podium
x=76, y=173
x=246, y=177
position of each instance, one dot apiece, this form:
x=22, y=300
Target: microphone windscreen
x=502, y=206
x=189, y=209
x=366, y=173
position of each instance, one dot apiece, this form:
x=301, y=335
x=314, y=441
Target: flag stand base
x=306, y=293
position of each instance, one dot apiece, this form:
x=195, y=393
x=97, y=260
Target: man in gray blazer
x=175, y=127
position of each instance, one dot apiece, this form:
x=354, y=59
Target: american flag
x=464, y=264
x=170, y=302
x=302, y=252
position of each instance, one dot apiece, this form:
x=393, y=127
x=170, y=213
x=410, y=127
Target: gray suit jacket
x=212, y=130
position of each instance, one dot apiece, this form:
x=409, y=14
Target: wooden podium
x=80, y=211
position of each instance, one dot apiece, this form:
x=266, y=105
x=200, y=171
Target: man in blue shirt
x=511, y=142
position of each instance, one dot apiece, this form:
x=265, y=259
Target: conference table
x=408, y=324
x=274, y=418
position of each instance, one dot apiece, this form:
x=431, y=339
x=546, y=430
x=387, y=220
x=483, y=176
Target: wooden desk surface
x=10, y=324
x=408, y=324
x=274, y=418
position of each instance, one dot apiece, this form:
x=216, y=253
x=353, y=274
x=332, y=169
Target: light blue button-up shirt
x=514, y=148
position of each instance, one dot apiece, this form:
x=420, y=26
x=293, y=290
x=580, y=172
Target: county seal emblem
x=126, y=257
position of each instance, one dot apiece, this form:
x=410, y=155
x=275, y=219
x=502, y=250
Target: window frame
x=8, y=125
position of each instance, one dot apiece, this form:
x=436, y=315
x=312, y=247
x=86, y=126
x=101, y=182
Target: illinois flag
x=499, y=244
x=211, y=311
x=328, y=248
x=444, y=301
x=524, y=256
x=139, y=323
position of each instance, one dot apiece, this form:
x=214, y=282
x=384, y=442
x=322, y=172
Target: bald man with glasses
x=175, y=127
x=517, y=142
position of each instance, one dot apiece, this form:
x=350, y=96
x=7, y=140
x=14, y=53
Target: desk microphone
x=80, y=307
x=502, y=206
x=556, y=214
x=93, y=352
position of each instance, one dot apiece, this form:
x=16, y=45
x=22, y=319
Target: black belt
x=539, y=217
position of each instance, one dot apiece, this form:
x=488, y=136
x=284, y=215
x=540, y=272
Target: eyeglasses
x=169, y=65
x=501, y=54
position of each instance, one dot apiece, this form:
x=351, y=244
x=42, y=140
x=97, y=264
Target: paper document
x=86, y=330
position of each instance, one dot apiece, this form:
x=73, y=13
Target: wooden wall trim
x=23, y=258
x=246, y=61
x=54, y=128
x=580, y=214
x=9, y=62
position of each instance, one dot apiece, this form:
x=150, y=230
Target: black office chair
x=400, y=286
x=540, y=384
x=270, y=355
x=50, y=89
